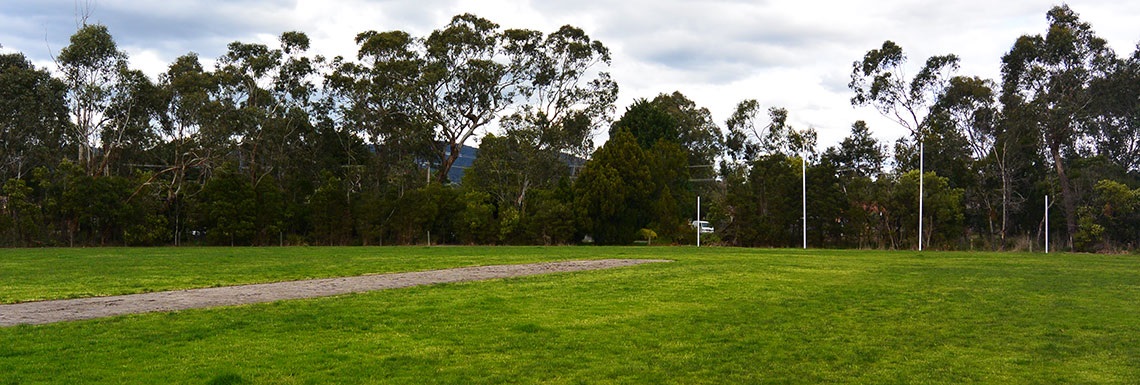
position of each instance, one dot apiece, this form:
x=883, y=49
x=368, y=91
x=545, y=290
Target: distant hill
x=466, y=159
x=467, y=156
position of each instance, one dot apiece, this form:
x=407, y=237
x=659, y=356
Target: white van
x=704, y=226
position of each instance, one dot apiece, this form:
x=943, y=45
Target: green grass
x=714, y=316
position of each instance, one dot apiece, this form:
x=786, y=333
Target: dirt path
x=86, y=308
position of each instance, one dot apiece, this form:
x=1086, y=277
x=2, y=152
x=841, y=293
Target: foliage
x=33, y=117
x=748, y=138
x=648, y=123
x=673, y=118
x=613, y=190
x=551, y=219
x=478, y=219
x=648, y=234
x=1113, y=218
x=331, y=212
x=99, y=95
x=227, y=210
x=878, y=81
x=275, y=145
x=1048, y=79
x=23, y=220
x=1117, y=113
x=767, y=212
x=859, y=154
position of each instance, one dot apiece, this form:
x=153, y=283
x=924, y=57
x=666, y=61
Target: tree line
x=274, y=145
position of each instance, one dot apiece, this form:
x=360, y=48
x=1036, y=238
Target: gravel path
x=86, y=308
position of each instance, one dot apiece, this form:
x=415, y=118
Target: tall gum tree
x=750, y=137
x=1117, y=118
x=33, y=117
x=188, y=111
x=1047, y=79
x=92, y=67
x=564, y=99
x=969, y=106
x=880, y=81
x=265, y=97
x=372, y=99
x=463, y=85
x=749, y=143
x=566, y=95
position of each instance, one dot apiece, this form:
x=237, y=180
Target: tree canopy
x=274, y=145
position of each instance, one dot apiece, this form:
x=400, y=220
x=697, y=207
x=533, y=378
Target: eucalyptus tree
x=749, y=136
x=439, y=91
x=462, y=86
x=33, y=117
x=879, y=80
x=189, y=121
x=189, y=125
x=373, y=100
x=93, y=68
x=417, y=99
x=132, y=134
x=761, y=152
x=564, y=99
x=1046, y=79
x=1116, y=121
x=566, y=95
x=970, y=105
x=266, y=99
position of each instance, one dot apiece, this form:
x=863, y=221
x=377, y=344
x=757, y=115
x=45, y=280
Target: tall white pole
x=1046, y=224
x=803, y=164
x=698, y=221
x=921, y=171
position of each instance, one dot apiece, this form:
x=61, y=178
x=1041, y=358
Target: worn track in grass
x=87, y=308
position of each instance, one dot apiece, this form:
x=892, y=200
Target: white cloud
x=150, y=62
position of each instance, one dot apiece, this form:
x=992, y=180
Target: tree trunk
x=1004, y=206
x=1005, y=198
x=521, y=201
x=447, y=162
x=1066, y=195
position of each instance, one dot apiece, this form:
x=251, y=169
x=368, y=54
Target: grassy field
x=716, y=315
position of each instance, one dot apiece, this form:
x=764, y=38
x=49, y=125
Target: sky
x=795, y=54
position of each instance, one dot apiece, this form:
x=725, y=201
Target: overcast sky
x=792, y=54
